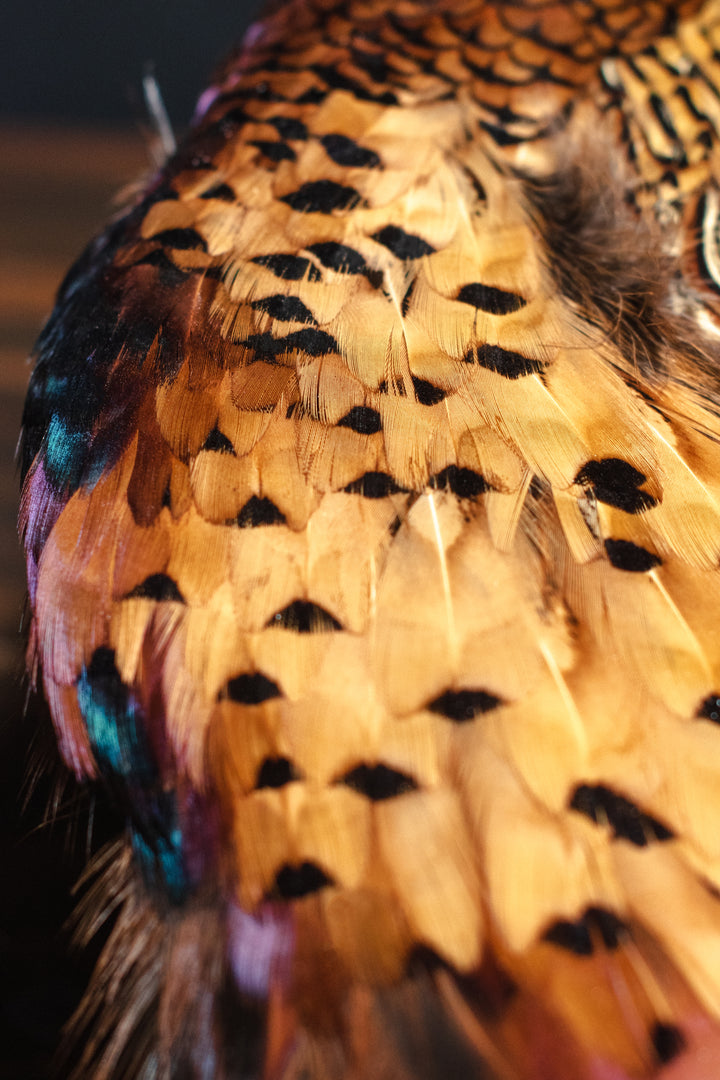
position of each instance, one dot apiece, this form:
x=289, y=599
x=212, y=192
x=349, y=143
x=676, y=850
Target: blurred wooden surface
x=56, y=190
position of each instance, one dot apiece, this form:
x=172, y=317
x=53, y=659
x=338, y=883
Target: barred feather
x=372, y=518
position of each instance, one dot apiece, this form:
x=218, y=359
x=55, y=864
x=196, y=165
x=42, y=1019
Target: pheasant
x=371, y=509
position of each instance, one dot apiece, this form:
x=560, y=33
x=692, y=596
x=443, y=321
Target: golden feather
x=372, y=512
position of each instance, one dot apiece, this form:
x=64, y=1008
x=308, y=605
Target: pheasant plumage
x=372, y=518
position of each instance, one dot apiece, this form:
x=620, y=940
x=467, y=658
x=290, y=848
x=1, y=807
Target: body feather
x=372, y=518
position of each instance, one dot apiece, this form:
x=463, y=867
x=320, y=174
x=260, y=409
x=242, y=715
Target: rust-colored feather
x=372, y=514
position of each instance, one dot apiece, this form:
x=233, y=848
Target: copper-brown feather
x=373, y=541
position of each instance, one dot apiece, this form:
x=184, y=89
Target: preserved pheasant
x=372, y=519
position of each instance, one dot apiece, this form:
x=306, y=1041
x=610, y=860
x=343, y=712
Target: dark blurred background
x=73, y=130
x=82, y=61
